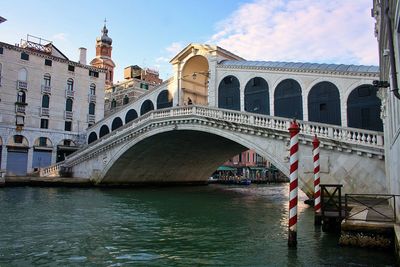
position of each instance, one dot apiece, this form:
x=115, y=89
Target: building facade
x=137, y=81
x=47, y=101
x=387, y=31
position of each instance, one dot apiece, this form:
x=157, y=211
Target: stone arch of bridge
x=194, y=80
x=193, y=150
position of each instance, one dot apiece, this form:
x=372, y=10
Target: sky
x=150, y=33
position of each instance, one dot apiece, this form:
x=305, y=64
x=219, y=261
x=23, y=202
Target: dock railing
x=370, y=207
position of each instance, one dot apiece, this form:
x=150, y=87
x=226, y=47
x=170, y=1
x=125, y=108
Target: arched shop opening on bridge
x=256, y=96
x=130, y=115
x=164, y=100
x=147, y=106
x=229, y=93
x=288, y=102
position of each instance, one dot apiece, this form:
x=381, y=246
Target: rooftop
x=301, y=66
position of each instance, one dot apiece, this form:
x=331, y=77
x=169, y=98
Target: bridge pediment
x=203, y=50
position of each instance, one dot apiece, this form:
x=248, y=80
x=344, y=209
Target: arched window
x=146, y=107
x=45, y=101
x=70, y=84
x=47, y=80
x=68, y=104
x=256, y=96
x=92, y=89
x=113, y=103
x=164, y=100
x=21, y=97
x=364, y=108
x=22, y=75
x=324, y=104
x=288, y=102
x=126, y=100
x=92, y=108
x=229, y=93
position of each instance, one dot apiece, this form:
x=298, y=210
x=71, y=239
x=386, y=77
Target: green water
x=180, y=226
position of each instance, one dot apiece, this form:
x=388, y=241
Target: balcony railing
x=46, y=89
x=22, y=85
x=92, y=98
x=44, y=112
x=68, y=115
x=69, y=93
x=20, y=108
x=91, y=118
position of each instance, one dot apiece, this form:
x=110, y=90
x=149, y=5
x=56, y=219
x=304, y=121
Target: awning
x=257, y=168
x=226, y=168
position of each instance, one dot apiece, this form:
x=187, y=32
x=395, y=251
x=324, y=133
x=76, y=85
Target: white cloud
x=339, y=31
x=60, y=36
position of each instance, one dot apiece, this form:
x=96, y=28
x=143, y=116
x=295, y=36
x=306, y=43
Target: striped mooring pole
x=317, y=189
x=294, y=130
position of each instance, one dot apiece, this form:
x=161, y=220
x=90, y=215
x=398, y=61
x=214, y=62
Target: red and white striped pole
x=294, y=130
x=317, y=190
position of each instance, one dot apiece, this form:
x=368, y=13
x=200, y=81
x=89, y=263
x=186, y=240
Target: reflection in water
x=182, y=226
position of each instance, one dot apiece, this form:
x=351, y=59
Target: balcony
x=20, y=108
x=91, y=119
x=69, y=94
x=92, y=98
x=68, y=115
x=44, y=112
x=22, y=85
x=46, y=89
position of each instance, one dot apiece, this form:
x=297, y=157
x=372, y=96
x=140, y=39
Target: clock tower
x=103, y=55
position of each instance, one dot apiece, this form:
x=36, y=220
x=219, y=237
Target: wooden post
x=317, y=190
x=294, y=130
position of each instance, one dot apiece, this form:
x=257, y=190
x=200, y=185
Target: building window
x=126, y=100
x=18, y=139
x=22, y=75
x=44, y=123
x=68, y=104
x=24, y=56
x=144, y=86
x=46, y=79
x=1, y=50
x=113, y=103
x=21, y=97
x=92, y=89
x=71, y=68
x=92, y=108
x=42, y=141
x=70, y=84
x=48, y=62
x=20, y=120
x=93, y=73
x=68, y=126
x=45, y=101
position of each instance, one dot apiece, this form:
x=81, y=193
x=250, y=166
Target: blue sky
x=149, y=33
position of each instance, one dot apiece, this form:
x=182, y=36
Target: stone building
x=387, y=31
x=137, y=82
x=47, y=101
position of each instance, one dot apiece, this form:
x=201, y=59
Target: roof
x=301, y=66
x=226, y=168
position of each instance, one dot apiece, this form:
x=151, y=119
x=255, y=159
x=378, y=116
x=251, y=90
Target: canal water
x=180, y=226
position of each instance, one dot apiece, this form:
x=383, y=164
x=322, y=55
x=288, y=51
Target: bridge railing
x=343, y=134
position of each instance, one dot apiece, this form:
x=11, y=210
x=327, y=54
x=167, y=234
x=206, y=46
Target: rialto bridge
x=240, y=105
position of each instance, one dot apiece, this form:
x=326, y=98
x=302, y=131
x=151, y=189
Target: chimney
x=82, y=55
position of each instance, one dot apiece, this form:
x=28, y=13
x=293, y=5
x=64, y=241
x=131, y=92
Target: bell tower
x=103, y=55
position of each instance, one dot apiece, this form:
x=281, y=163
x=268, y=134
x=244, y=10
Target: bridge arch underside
x=173, y=157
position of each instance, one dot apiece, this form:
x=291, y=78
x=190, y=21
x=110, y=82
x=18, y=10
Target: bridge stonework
x=186, y=144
